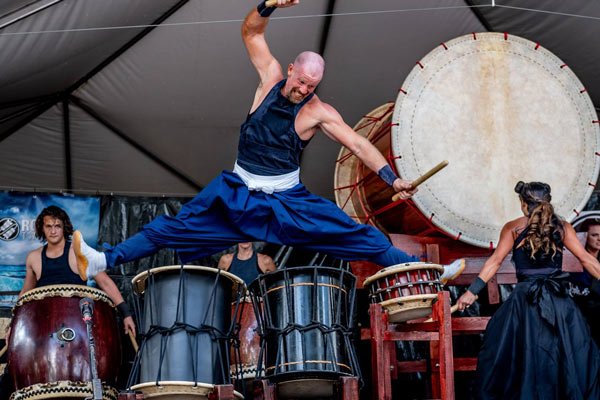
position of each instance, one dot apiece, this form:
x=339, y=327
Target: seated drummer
x=245, y=263
x=55, y=263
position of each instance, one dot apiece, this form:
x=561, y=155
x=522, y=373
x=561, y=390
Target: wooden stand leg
x=382, y=385
x=263, y=390
x=441, y=313
x=347, y=388
x=221, y=392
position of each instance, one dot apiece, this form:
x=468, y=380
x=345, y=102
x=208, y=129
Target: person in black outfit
x=245, y=263
x=587, y=299
x=538, y=344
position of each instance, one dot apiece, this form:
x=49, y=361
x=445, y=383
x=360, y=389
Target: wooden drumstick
x=3, y=350
x=423, y=178
x=133, y=341
x=453, y=309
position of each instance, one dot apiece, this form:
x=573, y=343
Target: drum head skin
x=178, y=390
x=500, y=109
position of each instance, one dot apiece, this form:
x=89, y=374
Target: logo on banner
x=9, y=229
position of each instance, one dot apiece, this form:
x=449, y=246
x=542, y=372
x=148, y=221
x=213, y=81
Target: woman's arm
x=492, y=264
x=572, y=243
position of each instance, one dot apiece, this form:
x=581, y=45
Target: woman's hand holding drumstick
x=456, y=307
x=412, y=186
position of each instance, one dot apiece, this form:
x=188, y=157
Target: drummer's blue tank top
x=269, y=144
x=247, y=270
x=56, y=271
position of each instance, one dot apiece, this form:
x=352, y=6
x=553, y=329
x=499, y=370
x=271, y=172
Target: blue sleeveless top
x=541, y=264
x=56, y=271
x=269, y=144
x=247, y=270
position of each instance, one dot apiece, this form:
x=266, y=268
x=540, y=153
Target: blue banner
x=17, y=232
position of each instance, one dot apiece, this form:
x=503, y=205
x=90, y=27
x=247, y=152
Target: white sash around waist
x=268, y=184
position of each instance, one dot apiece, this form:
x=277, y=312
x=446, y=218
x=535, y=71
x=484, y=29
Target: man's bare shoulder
x=36, y=253
x=225, y=261
x=321, y=110
x=34, y=257
x=264, y=257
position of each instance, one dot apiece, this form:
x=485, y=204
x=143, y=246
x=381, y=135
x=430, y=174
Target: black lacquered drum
x=306, y=324
x=186, y=329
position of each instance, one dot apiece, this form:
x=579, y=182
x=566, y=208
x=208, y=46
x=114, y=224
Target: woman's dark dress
x=538, y=345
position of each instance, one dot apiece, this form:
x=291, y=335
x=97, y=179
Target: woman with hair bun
x=538, y=344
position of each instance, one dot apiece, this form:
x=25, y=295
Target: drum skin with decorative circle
x=406, y=291
x=49, y=344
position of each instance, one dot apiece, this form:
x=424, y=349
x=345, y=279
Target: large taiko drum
x=48, y=354
x=406, y=291
x=186, y=329
x=500, y=109
x=307, y=320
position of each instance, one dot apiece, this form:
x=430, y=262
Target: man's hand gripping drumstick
x=411, y=187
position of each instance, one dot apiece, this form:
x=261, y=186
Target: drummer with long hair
x=538, y=344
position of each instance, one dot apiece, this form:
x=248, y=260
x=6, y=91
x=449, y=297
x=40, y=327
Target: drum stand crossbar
x=383, y=336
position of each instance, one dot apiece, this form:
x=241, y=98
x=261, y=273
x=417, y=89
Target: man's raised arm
x=253, y=35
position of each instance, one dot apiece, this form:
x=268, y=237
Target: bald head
x=311, y=62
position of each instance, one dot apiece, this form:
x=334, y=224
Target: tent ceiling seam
x=68, y=92
x=67, y=142
x=125, y=47
x=43, y=107
x=479, y=15
x=29, y=14
x=167, y=166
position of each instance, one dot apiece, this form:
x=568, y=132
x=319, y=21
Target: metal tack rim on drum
x=61, y=390
x=394, y=269
x=63, y=291
x=139, y=281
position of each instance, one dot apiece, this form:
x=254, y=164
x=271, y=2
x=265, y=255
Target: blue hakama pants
x=226, y=212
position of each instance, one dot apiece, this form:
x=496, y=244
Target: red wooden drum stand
x=439, y=333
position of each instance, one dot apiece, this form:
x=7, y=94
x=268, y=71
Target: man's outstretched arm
x=332, y=124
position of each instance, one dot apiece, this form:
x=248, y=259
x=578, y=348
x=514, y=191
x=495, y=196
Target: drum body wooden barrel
x=48, y=354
